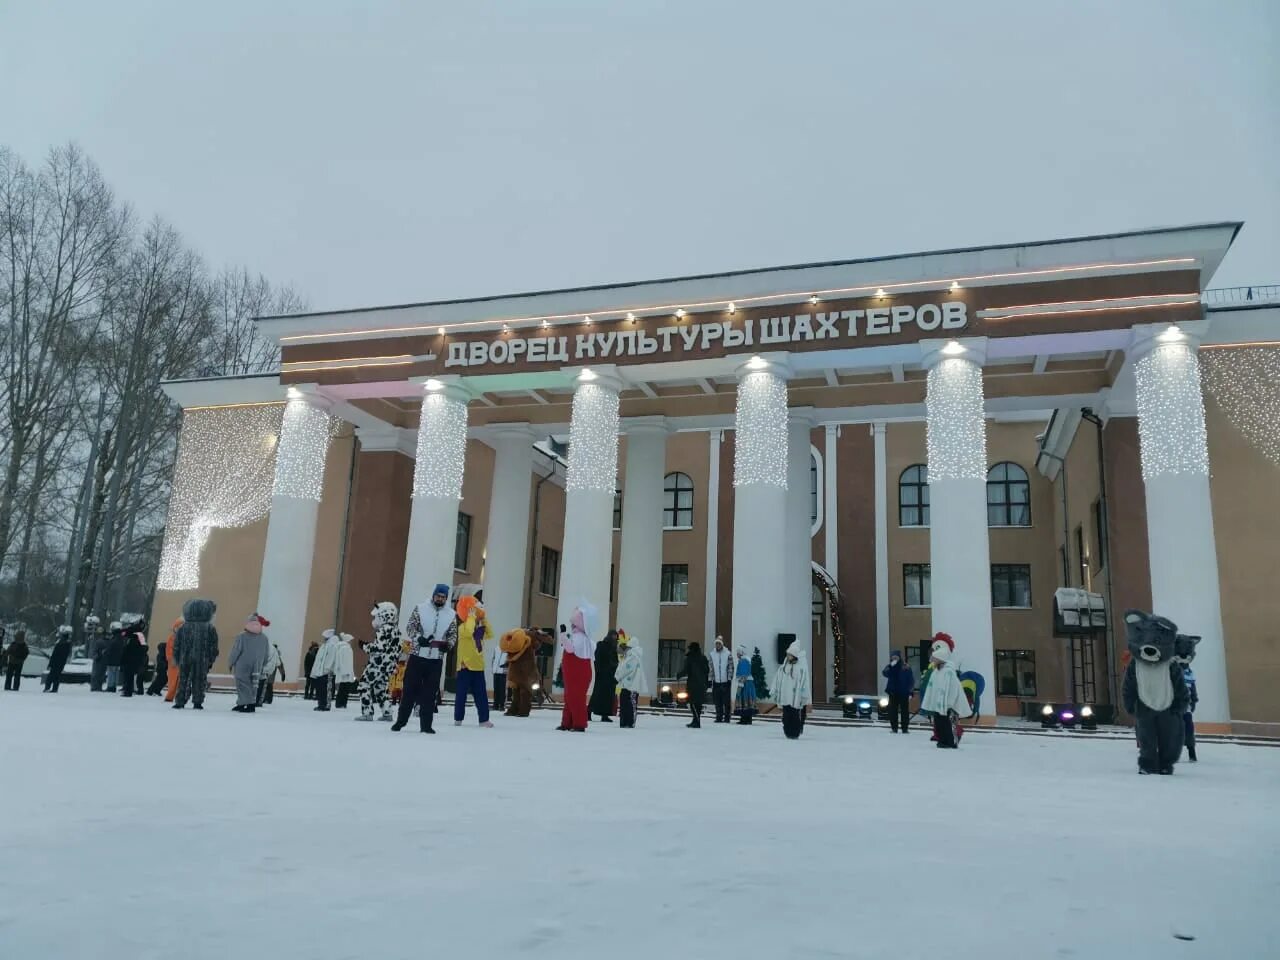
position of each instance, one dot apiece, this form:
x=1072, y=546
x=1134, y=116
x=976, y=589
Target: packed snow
x=131, y=830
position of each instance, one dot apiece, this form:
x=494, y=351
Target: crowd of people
x=600, y=678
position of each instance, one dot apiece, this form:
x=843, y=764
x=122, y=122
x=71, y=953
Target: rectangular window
x=462, y=545
x=1082, y=557
x=916, y=591
x=1010, y=585
x=675, y=583
x=1099, y=537
x=1016, y=673
x=813, y=490
x=617, y=510
x=549, y=576
x=670, y=658
x=1065, y=564
x=613, y=568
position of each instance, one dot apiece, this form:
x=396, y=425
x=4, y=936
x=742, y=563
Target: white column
x=507, y=546
x=716, y=437
x=437, y=488
x=831, y=542
x=589, y=488
x=799, y=533
x=882, y=546
x=760, y=508
x=1175, y=472
x=640, y=561
x=959, y=548
x=291, y=529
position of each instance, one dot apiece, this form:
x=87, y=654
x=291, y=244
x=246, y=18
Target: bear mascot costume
x=1155, y=692
x=521, y=648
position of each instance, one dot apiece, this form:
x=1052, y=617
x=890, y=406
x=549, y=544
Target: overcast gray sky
x=378, y=152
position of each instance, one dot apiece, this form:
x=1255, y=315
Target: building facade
x=856, y=454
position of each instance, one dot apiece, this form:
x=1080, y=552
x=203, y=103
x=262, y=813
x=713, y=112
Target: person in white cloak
x=630, y=680
x=792, y=690
x=944, y=698
x=334, y=663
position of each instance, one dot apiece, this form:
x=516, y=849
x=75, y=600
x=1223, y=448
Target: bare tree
x=60, y=231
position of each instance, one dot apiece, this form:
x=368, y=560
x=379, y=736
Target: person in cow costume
x=384, y=655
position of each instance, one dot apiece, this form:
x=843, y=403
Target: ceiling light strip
x=950, y=282
x=230, y=406
x=1155, y=299
x=1240, y=346
x=1051, y=313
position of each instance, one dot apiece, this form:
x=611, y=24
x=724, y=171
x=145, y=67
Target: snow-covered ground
x=129, y=830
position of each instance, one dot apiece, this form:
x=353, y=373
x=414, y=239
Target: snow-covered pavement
x=130, y=830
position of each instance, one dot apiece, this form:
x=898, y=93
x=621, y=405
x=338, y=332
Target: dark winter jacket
x=697, y=671
x=899, y=678
x=195, y=645
x=134, y=656
x=162, y=659
x=114, y=649
x=606, y=666
x=309, y=660
x=58, y=657
x=17, y=653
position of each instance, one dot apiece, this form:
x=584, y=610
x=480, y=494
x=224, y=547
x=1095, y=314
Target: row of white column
x=771, y=562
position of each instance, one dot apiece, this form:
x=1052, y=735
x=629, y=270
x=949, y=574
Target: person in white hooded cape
x=630, y=679
x=793, y=690
x=944, y=698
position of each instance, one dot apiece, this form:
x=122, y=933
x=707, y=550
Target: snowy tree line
x=97, y=306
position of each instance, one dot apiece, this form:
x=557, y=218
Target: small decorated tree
x=757, y=674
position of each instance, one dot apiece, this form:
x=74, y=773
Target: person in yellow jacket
x=470, y=679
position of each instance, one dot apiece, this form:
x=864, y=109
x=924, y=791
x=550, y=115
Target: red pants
x=577, y=678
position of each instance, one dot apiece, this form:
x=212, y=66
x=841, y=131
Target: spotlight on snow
x=1048, y=717
x=683, y=697
x=864, y=709
x=537, y=687
x=664, y=696
x=882, y=708
x=1068, y=718
x=1088, y=720
x=848, y=708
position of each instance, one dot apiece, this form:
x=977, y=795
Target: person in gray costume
x=1155, y=692
x=195, y=648
x=248, y=661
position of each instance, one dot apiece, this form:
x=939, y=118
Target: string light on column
x=304, y=442
x=956, y=436
x=760, y=428
x=222, y=478
x=442, y=444
x=593, y=437
x=1245, y=383
x=1171, y=431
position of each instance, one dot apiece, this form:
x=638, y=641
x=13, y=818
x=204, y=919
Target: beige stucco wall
x=231, y=566
x=1030, y=629
x=1243, y=487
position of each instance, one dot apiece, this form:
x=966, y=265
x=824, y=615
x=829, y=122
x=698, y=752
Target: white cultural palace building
x=855, y=453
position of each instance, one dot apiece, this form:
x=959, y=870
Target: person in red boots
x=575, y=666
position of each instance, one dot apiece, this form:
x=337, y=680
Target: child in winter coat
x=792, y=690
x=1184, y=653
x=629, y=679
x=944, y=697
x=273, y=669
x=335, y=663
x=162, y=671
x=744, y=694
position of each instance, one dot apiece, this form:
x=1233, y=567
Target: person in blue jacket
x=899, y=682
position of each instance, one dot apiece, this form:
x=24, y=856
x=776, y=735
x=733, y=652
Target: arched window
x=1008, y=496
x=913, y=496
x=677, y=503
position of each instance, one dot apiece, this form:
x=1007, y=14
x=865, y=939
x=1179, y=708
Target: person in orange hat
x=470, y=677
